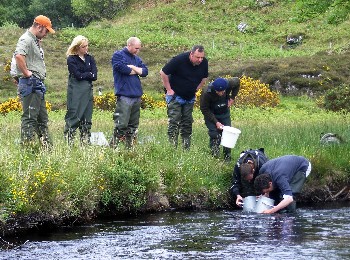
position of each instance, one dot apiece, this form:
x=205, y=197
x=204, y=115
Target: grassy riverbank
x=82, y=182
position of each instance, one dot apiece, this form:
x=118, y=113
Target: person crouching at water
x=215, y=104
x=282, y=179
x=244, y=173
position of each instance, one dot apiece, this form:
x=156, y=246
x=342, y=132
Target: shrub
x=14, y=104
x=255, y=93
x=126, y=185
x=107, y=102
x=97, y=9
x=336, y=99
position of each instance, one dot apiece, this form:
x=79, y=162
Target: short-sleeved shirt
x=28, y=46
x=184, y=77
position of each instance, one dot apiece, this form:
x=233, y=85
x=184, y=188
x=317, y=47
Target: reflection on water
x=311, y=233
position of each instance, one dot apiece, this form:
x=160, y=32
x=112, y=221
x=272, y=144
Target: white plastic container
x=264, y=203
x=98, y=138
x=229, y=136
x=249, y=204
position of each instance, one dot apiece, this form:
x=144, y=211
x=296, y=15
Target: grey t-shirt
x=28, y=46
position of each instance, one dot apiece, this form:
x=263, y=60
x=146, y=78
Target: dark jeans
x=180, y=120
x=215, y=135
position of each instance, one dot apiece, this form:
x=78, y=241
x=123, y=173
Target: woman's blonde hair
x=76, y=43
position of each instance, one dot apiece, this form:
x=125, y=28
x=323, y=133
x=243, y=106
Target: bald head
x=133, y=45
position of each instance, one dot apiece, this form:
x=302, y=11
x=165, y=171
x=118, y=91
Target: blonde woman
x=82, y=71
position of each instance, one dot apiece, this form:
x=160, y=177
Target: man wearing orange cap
x=31, y=66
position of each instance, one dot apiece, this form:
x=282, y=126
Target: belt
x=33, y=79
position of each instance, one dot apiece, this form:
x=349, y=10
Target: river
x=311, y=233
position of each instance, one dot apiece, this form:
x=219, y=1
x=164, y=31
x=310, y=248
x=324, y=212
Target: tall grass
x=82, y=181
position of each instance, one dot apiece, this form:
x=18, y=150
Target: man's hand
x=239, y=201
x=230, y=102
x=219, y=125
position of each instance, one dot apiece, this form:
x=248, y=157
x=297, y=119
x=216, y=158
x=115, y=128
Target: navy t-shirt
x=183, y=76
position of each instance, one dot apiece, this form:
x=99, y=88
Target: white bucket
x=229, y=136
x=98, y=138
x=264, y=203
x=249, y=203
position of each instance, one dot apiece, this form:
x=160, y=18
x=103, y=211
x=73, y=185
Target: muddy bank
x=19, y=225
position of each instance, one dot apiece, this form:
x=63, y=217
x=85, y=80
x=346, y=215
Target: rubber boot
x=69, y=136
x=85, y=135
x=45, y=141
x=215, y=147
x=227, y=154
x=186, y=143
x=173, y=140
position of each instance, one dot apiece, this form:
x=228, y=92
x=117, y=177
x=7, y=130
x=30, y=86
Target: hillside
x=168, y=27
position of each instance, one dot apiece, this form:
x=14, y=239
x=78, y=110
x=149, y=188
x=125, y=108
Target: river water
x=310, y=233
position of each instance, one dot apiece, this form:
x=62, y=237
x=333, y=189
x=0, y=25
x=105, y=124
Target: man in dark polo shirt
x=182, y=77
x=30, y=63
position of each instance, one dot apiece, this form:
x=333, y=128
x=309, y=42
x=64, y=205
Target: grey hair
x=198, y=48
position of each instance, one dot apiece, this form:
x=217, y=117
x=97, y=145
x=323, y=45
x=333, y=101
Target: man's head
x=197, y=55
x=43, y=26
x=247, y=171
x=220, y=85
x=134, y=45
x=263, y=183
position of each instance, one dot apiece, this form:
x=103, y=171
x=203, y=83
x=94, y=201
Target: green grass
x=78, y=181
x=165, y=32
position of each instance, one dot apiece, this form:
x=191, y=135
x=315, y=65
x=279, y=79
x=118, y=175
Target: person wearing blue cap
x=215, y=104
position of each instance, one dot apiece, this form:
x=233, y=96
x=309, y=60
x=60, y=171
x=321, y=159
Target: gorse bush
x=336, y=99
x=14, y=104
x=252, y=93
x=105, y=102
x=39, y=191
x=255, y=93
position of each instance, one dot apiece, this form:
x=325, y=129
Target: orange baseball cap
x=44, y=21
